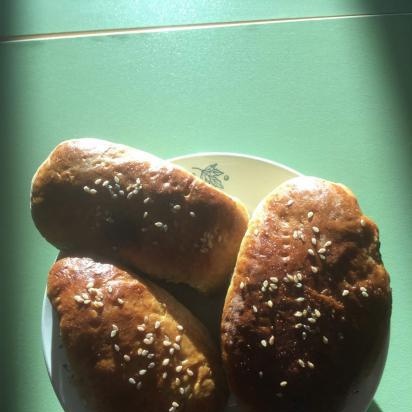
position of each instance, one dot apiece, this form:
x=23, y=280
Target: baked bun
x=131, y=345
x=110, y=199
x=306, y=319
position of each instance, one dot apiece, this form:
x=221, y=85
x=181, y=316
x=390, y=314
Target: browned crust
x=102, y=372
x=199, y=244
x=355, y=326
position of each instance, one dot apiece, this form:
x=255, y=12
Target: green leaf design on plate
x=210, y=174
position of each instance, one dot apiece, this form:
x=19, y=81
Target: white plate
x=246, y=177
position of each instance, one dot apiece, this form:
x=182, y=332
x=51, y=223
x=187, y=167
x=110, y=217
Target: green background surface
x=330, y=98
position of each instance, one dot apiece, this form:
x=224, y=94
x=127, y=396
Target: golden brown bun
x=118, y=351
x=307, y=313
x=117, y=201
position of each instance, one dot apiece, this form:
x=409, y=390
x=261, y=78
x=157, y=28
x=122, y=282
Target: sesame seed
x=110, y=289
x=145, y=214
x=298, y=285
x=165, y=361
x=312, y=320
x=90, y=285
x=270, y=303
x=120, y=301
x=142, y=372
x=139, y=385
x=164, y=375
x=116, y=347
x=105, y=183
x=78, y=299
x=310, y=364
x=263, y=343
x=177, y=207
x=132, y=381
x=311, y=252
x=301, y=363
x=181, y=391
x=141, y=328
x=116, y=179
x=260, y=374
x=290, y=202
x=113, y=333
x=151, y=365
x=146, y=319
x=145, y=352
x=242, y=285
x=265, y=283
x=126, y=358
x=328, y=243
x=313, y=241
x=362, y=289
x=189, y=372
x=322, y=257
x=92, y=191
x=166, y=343
x=178, y=338
x=86, y=189
x=325, y=340
x=177, y=380
x=175, y=404
x=147, y=200
x=172, y=351
x=295, y=234
x=157, y=324
x=87, y=301
x=298, y=314
x=192, y=214
x=150, y=356
x=301, y=299
x=365, y=294
x=315, y=229
x=274, y=279
x=317, y=313
x=345, y=292
x=299, y=276
x=97, y=181
x=180, y=327
x=179, y=368
x=97, y=304
x=362, y=222
x=314, y=269
x=148, y=341
x=298, y=326
x=283, y=384
x=121, y=192
x=254, y=308
x=176, y=346
x=310, y=215
x=271, y=340
x=158, y=224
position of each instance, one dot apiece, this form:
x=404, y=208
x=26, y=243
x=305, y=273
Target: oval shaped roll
x=131, y=345
x=306, y=319
x=116, y=201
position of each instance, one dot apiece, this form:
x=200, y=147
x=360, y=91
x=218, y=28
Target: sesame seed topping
x=274, y=279
x=298, y=326
x=176, y=346
x=263, y=343
x=167, y=343
x=113, y=333
x=116, y=179
x=328, y=243
x=177, y=207
x=120, y=301
x=283, y=384
x=139, y=385
x=165, y=361
x=365, y=294
x=150, y=356
x=192, y=214
x=304, y=335
x=310, y=364
x=145, y=352
x=313, y=241
x=314, y=269
x=301, y=299
x=148, y=341
x=178, y=338
x=141, y=328
x=105, y=183
x=126, y=358
x=177, y=380
x=270, y=303
x=298, y=285
x=147, y=200
x=315, y=229
x=345, y=292
x=158, y=224
x=157, y=324
x=322, y=257
x=301, y=363
x=90, y=285
x=298, y=314
x=295, y=234
x=271, y=340
x=172, y=351
x=312, y=320
x=181, y=391
x=362, y=222
x=265, y=283
x=132, y=381
x=164, y=376
x=317, y=313
x=322, y=250
x=254, y=308
x=242, y=285
x=145, y=214
x=175, y=404
x=179, y=368
x=142, y=372
x=151, y=365
x=78, y=299
x=180, y=327
x=86, y=189
x=116, y=347
x=110, y=289
x=189, y=372
x=311, y=252
x=310, y=215
x=362, y=289
x=97, y=181
x=290, y=202
x=325, y=340
x=92, y=191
